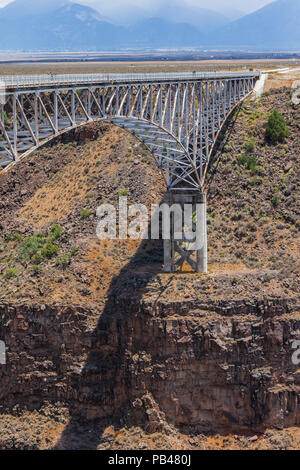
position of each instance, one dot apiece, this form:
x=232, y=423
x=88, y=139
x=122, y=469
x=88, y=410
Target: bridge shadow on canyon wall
x=122, y=382
x=113, y=374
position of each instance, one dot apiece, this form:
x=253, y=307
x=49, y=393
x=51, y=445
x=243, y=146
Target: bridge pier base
x=179, y=251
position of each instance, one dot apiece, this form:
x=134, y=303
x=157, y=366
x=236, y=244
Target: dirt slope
x=63, y=186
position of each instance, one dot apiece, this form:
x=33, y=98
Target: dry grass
x=53, y=201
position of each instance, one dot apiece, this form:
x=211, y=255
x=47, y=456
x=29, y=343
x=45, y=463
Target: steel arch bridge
x=177, y=116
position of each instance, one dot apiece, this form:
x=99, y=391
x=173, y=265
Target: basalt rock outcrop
x=226, y=365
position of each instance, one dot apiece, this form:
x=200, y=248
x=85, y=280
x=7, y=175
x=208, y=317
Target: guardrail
x=25, y=81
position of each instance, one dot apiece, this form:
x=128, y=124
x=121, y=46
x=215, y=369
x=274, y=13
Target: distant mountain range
x=61, y=25
x=276, y=26
x=204, y=20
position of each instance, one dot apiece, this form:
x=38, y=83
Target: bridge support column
x=202, y=252
x=179, y=251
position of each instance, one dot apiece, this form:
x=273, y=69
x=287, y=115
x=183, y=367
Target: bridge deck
x=16, y=82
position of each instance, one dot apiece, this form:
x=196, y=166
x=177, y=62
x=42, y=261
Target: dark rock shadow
x=108, y=384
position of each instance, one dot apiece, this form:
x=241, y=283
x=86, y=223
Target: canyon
x=106, y=351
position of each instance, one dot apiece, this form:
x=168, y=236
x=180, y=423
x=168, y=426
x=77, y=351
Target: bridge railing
x=26, y=81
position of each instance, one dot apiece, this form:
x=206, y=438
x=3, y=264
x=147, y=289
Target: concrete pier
x=202, y=252
x=177, y=251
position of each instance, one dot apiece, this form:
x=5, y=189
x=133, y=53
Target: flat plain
x=159, y=66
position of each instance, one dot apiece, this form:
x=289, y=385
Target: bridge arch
x=165, y=148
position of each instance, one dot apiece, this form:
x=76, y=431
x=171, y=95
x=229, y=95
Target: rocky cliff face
x=225, y=365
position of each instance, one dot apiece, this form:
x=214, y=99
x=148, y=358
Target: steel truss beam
x=179, y=121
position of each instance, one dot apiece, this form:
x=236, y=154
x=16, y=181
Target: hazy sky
x=109, y=5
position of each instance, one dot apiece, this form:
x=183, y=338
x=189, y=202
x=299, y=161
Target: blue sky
x=108, y=6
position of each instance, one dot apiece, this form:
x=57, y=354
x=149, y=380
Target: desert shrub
x=14, y=237
x=74, y=250
x=255, y=115
x=85, y=214
x=276, y=130
x=11, y=273
x=262, y=214
x=242, y=159
x=49, y=250
x=249, y=146
x=228, y=148
x=32, y=245
x=123, y=192
x=36, y=269
x=275, y=200
x=37, y=258
x=56, y=232
x=250, y=162
x=63, y=261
